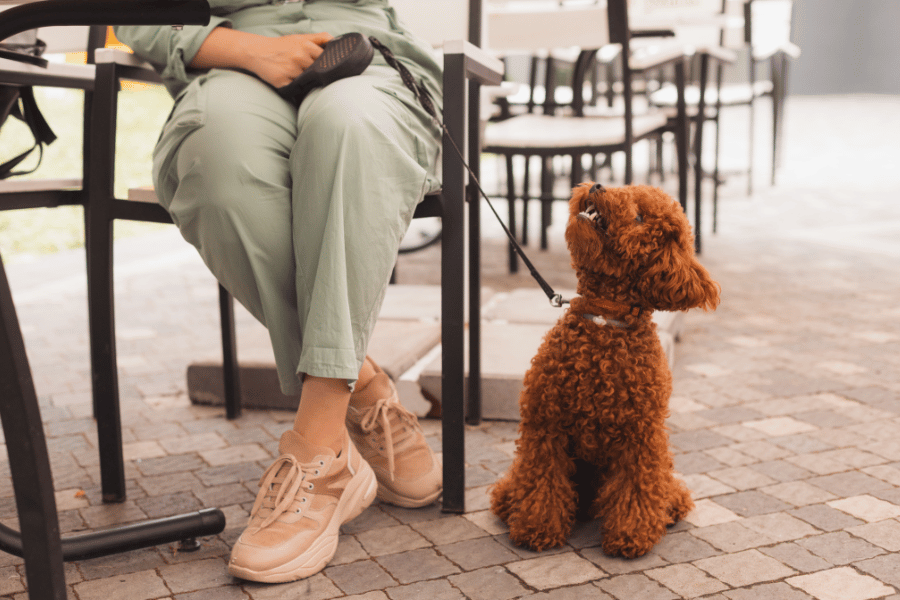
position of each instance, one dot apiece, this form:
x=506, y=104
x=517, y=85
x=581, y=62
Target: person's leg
x=224, y=176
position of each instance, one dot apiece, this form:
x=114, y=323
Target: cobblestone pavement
x=785, y=416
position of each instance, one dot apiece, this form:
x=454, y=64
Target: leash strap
x=425, y=99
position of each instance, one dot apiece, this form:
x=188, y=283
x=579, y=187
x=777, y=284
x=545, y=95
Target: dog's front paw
x=627, y=545
x=536, y=536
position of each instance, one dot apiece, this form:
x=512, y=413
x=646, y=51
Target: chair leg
x=29, y=461
x=231, y=372
x=511, y=199
x=546, y=197
x=779, y=81
x=99, y=166
x=526, y=185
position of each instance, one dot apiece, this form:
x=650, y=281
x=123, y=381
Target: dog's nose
x=597, y=188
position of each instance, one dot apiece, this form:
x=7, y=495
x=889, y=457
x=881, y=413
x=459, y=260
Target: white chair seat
x=532, y=132
x=732, y=94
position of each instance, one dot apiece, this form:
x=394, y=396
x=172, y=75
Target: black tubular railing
x=40, y=542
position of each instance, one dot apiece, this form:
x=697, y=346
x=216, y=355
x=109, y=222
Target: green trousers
x=299, y=212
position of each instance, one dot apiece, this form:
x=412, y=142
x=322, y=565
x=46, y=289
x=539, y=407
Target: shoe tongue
x=377, y=388
x=295, y=444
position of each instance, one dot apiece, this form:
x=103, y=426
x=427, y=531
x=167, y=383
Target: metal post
x=101, y=313
x=452, y=287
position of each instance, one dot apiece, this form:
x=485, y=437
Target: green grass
x=27, y=233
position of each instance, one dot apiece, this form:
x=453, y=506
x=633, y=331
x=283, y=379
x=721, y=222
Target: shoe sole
x=386, y=495
x=359, y=494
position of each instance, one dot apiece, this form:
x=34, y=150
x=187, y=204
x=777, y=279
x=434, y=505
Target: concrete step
x=408, y=329
x=513, y=328
x=406, y=344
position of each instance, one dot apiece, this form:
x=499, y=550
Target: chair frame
x=466, y=68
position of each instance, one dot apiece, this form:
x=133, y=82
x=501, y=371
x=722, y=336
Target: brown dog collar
x=598, y=320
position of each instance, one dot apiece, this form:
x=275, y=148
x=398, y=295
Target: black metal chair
x=589, y=27
x=40, y=543
x=465, y=68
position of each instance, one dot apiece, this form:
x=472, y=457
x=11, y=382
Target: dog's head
x=637, y=241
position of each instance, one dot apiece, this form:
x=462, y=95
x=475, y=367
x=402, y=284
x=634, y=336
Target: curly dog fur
x=592, y=440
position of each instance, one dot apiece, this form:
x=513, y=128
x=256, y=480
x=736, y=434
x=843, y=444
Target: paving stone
x=751, y=503
x=368, y=596
x=780, y=526
x=781, y=470
x=555, y=571
x=492, y=583
x=348, y=550
x=852, y=483
x=687, y=580
x=416, y=565
x=683, y=547
x=433, y=590
x=867, y=508
x=112, y=514
x=371, y=518
x=703, y=486
x=488, y=521
x=631, y=587
x=798, y=493
x=449, y=529
x=885, y=567
x=195, y=575
x=390, y=540
x=696, y=462
x=169, y=504
x=236, y=473
x=825, y=518
x=840, y=548
x=744, y=568
x=317, y=587
x=144, y=559
x=616, y=565
x=142, y=585
x=796, y=557
x=219, y=593
x=235, y=454
x=769, y=591
x=706, y=512
x=170, y=464
x=732, y=537
x=885, y=534
x=477, y=553
x=742, y=478
x=197, y=442
x=697, y=440
x=359, y=577
x=842, y=583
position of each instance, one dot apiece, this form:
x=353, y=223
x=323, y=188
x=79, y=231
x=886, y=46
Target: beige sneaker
x=390, y=439
x=304, y=498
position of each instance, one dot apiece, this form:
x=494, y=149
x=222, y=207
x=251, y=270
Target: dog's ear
x=675, y=280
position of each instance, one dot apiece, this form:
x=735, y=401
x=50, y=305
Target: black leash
x=425, y=99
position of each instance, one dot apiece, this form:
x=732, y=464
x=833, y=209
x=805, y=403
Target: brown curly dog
x=593, y=440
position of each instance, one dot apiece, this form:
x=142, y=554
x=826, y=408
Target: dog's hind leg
x=536, y=497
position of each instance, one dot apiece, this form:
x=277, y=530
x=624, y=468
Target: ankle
x=373, y=385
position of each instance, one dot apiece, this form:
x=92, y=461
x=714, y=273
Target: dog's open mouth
x=593, y=215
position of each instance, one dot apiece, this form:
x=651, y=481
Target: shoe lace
x=403, y=430
x=278, y=488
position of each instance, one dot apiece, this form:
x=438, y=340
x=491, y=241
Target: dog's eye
x=639, y=219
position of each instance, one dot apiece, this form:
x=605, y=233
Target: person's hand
x=275, y=60
x=278, y=61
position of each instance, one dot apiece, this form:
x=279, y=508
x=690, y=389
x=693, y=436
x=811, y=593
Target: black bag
x=18, y=101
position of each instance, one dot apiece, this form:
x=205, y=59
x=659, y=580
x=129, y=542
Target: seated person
x=299, y=213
